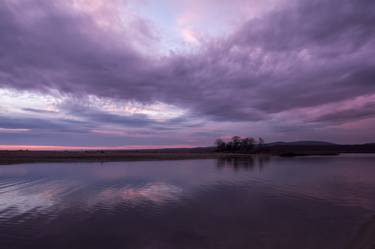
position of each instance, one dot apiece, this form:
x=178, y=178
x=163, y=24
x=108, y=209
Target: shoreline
x=24, y=156
x=21, y=157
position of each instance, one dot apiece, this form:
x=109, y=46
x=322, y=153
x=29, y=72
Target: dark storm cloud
x=302, y=24
x=44, y=45
x=320, y=52
x=45, y=125
x=301, y=55
x=349, y=115
x=85, y=119
x=94, y=115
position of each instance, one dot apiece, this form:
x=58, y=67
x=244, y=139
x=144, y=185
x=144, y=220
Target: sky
x=181, y=73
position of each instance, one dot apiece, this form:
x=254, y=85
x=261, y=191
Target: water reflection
x=157, y=192
x=248, y=163
x=259, y=202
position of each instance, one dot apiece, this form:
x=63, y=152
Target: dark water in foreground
x=311, y=202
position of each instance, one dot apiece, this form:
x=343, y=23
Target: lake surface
x=267, y=202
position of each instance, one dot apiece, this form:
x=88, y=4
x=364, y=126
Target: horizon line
x=78, y=148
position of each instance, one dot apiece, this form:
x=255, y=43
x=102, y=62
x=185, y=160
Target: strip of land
x=284, y=150
x=15, y=157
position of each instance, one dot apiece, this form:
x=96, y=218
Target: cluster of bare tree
x=238, y=144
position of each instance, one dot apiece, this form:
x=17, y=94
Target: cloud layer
x=295, y=66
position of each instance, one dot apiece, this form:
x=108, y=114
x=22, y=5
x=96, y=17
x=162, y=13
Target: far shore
x=283, y=150
x=17, y=157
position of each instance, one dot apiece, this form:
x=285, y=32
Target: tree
x=220, y=144
x=236, y=143
x=247, y=144
x=229, y=146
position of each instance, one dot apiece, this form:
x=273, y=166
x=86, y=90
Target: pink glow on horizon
x=55, y=148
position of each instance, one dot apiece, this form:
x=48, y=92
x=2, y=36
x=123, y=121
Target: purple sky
x=170, y=72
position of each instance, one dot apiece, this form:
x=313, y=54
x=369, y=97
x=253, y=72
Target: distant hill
x=316, y=147
x=301, y=143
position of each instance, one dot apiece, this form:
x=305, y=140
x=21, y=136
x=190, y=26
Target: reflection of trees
x=262, y=160
x=238, y=163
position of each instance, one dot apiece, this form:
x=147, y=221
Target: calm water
x=311, y=202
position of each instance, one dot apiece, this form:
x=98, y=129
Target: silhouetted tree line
x=238, y=144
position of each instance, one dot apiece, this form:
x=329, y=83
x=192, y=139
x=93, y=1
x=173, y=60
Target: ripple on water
x=196, y=203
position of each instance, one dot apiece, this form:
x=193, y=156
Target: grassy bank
x=15, y=157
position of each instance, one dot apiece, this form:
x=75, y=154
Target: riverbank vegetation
x=239, y=145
